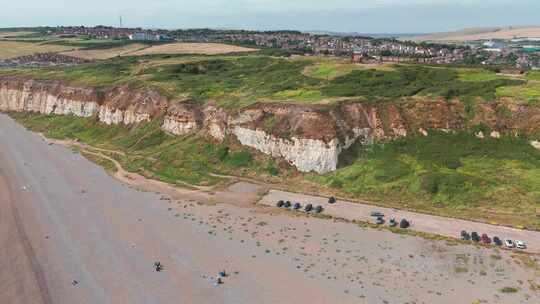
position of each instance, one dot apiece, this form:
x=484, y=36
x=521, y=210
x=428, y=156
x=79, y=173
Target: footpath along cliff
x=309, y=137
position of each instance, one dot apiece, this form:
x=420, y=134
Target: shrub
x=239, y=159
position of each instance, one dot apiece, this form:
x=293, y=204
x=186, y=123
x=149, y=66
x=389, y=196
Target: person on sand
x=158, y=266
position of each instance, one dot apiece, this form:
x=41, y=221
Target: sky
x=361, y=16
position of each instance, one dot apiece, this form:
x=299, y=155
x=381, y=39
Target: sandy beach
x=94, y=240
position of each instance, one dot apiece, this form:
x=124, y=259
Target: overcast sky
x=363, y=16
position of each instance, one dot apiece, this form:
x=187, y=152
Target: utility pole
x=120, y=17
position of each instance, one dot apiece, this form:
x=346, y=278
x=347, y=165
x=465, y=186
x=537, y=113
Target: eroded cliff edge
x=310, y=137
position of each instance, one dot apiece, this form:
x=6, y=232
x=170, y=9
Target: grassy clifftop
x=239, y=80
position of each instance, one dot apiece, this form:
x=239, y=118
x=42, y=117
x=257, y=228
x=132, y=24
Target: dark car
x=296, y=206
x=475, y=237
x=465, y=236
x=332, y=200
x=379, y=220
x=497, y=241
x=318, y=209
x=287, y=204
x=392, y=222
x=404, y=224
x=377, y=214
x=280, y=203
x=308, y=207
x=485, y=239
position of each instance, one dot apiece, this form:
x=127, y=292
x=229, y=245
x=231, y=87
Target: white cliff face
x=113, y=116
x=44, y=103
x=178, y=127
x=305, y=154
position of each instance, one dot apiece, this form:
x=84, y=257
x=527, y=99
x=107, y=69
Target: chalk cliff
x=310, y=137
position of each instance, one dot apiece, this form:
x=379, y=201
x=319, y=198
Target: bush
x=509, y=290
x=239, y=159
x=271, y=169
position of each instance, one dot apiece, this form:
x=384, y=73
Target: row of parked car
x=379, y=220
x=484, y=238
x=298, y=206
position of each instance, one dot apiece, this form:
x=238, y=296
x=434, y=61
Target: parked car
x=308, y=207
x=497, y=241
x=509, y=243
x=280, y=203
x=520, y=245
x=404, y=224
x=379, y=220
x=297, y=206
x=485, y=239
x=377, y=214
x=465, y=235
x=332, y=200
x=287, y=204
x=475, y=237
x=393, y=222
x=318, y=209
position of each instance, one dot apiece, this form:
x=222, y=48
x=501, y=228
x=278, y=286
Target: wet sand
x=86, y=226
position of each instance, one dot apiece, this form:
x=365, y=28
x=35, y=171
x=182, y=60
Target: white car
x=520, y=245
x=509, y=243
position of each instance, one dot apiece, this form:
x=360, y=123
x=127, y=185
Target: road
x=87, y=238
x=419, y=222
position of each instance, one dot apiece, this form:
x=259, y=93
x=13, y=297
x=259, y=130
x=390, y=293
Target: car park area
x=417, y=221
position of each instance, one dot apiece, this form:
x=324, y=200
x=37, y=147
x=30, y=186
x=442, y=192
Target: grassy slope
x=151, y=152
x=450, y=174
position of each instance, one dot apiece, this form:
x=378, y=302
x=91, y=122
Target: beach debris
x=74, y=282
x=222, y=274
x=24, y=188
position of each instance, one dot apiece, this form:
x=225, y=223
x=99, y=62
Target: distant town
x=522, y=53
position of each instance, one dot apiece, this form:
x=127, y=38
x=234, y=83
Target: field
x=192, y=48
x=106, y=53
x=12, y=49
x=10, y=34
